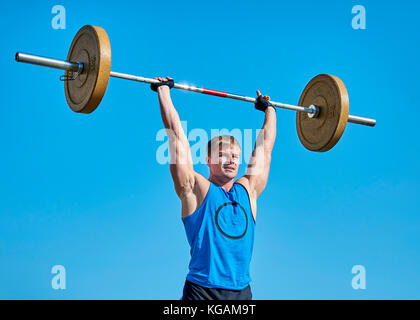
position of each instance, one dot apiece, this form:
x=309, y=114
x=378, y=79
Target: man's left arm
x=258, y=169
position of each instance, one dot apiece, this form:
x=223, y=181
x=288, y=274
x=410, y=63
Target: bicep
x=181, y=165
x=183, y=177
x=191, y=188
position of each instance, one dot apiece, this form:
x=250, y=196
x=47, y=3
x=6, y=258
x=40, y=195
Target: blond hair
x=215, y=142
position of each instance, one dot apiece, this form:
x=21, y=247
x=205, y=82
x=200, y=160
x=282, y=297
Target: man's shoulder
x=193, y=200
x=244, y=182
x=251, y=195
x=201, y=186
x=199, y=178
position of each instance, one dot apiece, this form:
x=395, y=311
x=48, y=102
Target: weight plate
x=90, y=46
x=323, y=132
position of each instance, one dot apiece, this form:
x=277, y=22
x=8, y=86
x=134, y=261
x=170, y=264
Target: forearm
x=259, y=165
x=178, y=143
x=170, y=116
x=261, y=155
x=269, y=129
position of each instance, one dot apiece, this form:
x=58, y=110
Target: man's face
x=224, y=163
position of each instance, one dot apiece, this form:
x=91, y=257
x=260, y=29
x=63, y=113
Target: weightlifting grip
x=169, y=83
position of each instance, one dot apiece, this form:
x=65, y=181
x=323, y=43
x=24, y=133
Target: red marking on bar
x=214, y=92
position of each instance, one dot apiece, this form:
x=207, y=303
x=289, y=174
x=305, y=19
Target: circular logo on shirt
x=231, y=220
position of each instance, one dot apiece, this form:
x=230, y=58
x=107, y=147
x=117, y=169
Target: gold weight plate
x=90, y=46
x=323, y=132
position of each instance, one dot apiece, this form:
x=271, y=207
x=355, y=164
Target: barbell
x=322, y=112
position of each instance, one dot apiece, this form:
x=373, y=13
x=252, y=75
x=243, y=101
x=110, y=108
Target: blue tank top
x=221, y=236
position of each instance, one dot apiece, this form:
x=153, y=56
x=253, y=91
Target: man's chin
x=230, y=174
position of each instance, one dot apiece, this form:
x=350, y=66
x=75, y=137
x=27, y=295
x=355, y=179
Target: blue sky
x=86, y=191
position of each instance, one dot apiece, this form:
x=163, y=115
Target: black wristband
x=262, y=104
x=169, y=83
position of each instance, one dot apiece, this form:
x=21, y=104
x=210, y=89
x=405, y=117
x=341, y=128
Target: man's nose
x=232, y=159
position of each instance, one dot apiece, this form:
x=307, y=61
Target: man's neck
x=227, y=185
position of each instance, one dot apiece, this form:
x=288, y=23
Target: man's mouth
x=230, y=168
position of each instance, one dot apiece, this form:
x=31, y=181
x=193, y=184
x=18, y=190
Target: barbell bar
x=78, y=68
x=323, y=109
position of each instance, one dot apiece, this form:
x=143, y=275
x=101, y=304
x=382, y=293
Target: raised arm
x=181, y=165
x=258, y=169
x=189, y=185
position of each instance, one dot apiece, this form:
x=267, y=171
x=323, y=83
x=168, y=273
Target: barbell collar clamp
x=315, y=111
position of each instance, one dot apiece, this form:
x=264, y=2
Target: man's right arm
x=189, y=185
x=181, y=165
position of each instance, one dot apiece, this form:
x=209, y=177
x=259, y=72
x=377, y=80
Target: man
x=218, y=213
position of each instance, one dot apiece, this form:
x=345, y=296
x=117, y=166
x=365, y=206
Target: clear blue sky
x=86, y=191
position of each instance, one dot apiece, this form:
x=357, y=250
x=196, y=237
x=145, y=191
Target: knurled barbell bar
x=322, y=113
